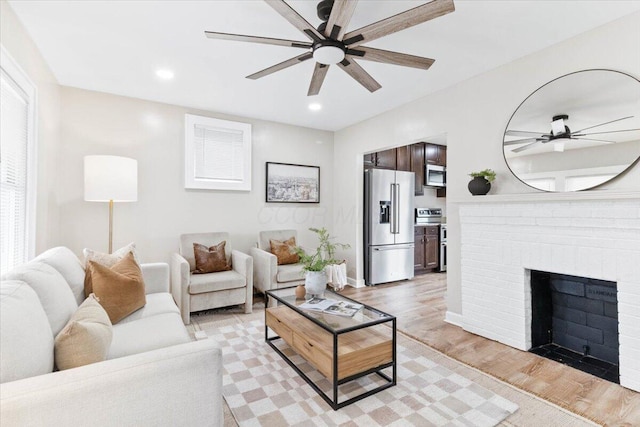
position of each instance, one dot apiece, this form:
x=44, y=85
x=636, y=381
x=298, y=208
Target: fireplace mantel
x=543, y=196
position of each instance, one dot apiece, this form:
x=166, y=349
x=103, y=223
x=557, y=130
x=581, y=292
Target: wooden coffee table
x=342, y=349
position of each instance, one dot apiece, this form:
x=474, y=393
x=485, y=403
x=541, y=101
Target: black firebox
x=575, y=322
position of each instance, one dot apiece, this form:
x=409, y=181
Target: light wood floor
x=420, y=308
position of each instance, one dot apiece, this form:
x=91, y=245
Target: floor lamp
x=110, y=179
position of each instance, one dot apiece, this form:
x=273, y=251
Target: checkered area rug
x=263, y=390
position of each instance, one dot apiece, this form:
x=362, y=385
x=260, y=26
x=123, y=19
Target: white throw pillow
x=53, y=291
x=69, y=266
x=108, y=260
x=26, y=341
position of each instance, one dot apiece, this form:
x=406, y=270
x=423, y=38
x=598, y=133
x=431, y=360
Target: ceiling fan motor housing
x=324, y=9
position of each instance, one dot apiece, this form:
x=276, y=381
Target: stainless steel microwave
x=435, y=176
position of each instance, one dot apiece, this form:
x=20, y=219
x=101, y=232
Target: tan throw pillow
x=86, y=337
x=210, y=260
x=108, y=260
x=120, y=289
x=284, y=251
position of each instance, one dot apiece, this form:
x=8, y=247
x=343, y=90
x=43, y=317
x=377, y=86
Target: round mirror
x=575, y=132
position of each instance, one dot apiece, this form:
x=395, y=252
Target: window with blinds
x=217, y=154
x=17, y=97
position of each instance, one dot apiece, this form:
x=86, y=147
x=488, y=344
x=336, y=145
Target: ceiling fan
x=331, y=44
x=560, y=132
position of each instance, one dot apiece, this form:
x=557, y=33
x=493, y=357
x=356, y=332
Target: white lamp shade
x=110, y=178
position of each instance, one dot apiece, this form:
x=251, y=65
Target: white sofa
x=154, y=374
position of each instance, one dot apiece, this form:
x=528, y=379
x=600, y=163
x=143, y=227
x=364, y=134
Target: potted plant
x=481, y=182
x=314, y=263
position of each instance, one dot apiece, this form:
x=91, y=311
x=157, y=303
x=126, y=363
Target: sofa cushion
x=290, y=273
x=53, y=291
x=26, y=341
x=207, y=239
x=211, y=259
x=282, y=235
x=86, y=337
x=158, y=303
x=120, y=289
x=201, y=283
x=150, y=333
x=108, y=260
x=69, y=266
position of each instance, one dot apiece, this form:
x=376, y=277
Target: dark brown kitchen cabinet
x=435, y=154
x=382, y=159
x=386, y=159
x=426, y=248
x=416, y=152
x=403, y=158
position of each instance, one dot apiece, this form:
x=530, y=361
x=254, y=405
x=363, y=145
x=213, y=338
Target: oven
x=443, y=247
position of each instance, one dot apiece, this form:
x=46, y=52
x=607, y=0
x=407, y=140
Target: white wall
x=17, y=42
x=153, y=133
x=473, y=114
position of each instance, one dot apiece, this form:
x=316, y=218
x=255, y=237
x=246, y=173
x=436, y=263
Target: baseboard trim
x=453, y=318
x=355, y=283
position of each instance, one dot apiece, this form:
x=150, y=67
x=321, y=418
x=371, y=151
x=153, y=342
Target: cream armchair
x=268, y=274
x=195, y=292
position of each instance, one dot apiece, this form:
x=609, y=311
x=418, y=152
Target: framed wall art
x=289, y=183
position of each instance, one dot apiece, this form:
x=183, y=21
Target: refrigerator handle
x=396, y=206
x=392, y=222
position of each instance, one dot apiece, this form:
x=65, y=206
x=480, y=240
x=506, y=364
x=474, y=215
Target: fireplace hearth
x=575, y=321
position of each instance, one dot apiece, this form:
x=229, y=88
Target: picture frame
x=292, y=183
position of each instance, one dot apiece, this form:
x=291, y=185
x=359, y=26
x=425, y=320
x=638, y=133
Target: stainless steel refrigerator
x=388, y=225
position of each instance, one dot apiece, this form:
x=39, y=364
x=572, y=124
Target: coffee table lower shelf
x=341, y=357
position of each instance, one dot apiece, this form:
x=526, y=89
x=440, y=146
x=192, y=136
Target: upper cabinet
x=436, y=154
x=411, y=158
x=417, y=166
x=403, y=158
x=395, y=158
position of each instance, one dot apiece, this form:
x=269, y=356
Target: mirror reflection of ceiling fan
x=331, y=44
x=560, y=132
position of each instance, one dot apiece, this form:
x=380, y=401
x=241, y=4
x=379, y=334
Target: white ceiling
x=116, y=47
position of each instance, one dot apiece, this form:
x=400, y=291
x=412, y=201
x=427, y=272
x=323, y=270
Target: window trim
x=11, y=68
x=193, y=182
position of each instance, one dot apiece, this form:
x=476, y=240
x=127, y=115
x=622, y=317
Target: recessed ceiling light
x=165, y=74
x=315, y=106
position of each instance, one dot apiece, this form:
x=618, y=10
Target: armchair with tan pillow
x=275, y=266
x=209, y=273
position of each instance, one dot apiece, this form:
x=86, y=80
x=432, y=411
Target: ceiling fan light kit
x=328, y=52
x=331, y=44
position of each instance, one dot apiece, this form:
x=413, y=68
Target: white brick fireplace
x=588, y=234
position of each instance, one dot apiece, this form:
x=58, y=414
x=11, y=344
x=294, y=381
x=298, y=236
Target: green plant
x=324, y=254
x=487, y=174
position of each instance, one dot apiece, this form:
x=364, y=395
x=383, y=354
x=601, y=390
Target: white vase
x=315, y=282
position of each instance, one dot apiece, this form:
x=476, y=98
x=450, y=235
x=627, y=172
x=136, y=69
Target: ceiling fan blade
x=597, y=140
x=524, y=147
x=602, y=124
x=295, y=19
x=524, y=141
x=600, y=133
x=255, y=39
x=281, y=66
x=388, y=57
x=359, y=74
x=399, y=22
x=319, y=73
x=524, y=133
x=341, y=14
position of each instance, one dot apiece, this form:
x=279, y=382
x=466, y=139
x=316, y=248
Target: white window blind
x=217, y=154
x=16, y=127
